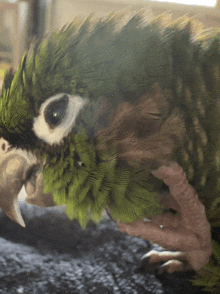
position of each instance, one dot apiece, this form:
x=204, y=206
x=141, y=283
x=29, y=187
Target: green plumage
x=118, y=61
x=88, y=189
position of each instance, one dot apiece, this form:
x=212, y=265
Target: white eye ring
x=54, y=135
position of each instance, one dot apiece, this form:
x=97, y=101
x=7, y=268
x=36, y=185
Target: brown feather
x=143, y=133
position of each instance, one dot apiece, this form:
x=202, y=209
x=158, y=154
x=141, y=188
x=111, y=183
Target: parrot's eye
x=55, y=111
x=57, y=117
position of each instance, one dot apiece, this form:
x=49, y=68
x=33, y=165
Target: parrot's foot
x=166, y=261
x=188, y=232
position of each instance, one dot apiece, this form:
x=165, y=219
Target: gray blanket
x=54, y=255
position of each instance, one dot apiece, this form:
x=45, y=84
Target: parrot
x=121, y=113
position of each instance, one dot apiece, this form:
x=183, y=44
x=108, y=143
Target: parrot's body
x=103, y=103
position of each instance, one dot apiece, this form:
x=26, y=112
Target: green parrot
x=94, y=108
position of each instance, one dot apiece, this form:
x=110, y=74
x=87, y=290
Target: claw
x=146, y=266
x=162, y=262
x=172, y=266
x=148, y=263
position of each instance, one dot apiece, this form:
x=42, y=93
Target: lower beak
x=35, y=194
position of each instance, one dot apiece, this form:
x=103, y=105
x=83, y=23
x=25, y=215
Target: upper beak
x=14, y=167
x=12, y=171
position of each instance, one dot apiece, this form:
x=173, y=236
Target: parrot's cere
x=121, y=113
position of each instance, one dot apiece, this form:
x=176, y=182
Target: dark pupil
x=55, y=111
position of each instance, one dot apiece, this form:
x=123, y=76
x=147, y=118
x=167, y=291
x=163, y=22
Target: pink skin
x=188, y=232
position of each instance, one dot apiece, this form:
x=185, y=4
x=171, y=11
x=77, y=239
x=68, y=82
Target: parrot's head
x=74, y=97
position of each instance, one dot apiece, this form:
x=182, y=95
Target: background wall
x=65, y=10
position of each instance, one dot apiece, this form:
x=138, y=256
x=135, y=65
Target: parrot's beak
x=14, y=213
x=34, y=187
x=16, y=169
x=12, y=174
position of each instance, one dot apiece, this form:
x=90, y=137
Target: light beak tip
x=14, y=213
x=21, y=222
x=23, y=225
x=17, y=219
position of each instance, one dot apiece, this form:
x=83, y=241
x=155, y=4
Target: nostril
x=3, y=146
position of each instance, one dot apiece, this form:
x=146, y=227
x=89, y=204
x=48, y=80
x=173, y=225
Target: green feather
x=210, y=281
x=97, y=185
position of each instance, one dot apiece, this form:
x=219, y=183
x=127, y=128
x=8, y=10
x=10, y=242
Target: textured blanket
x=54, y=255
